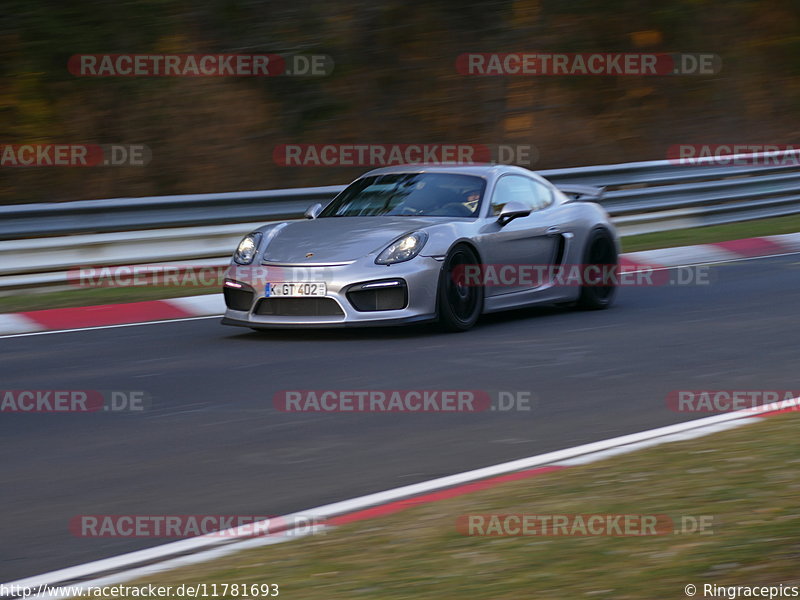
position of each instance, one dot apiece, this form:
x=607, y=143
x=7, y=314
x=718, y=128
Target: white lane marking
x=16, y=323
x=678, y=254
x=721, y=262
x=78, y=329
x=676, y=437
x=320, y=513
x=201, y=304
x=661, y=268
x=787, y=240
x=176, y=563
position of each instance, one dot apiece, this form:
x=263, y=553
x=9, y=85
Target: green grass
x=711, y=234
x=698, y=235
x=747, y=479
x=92, y=297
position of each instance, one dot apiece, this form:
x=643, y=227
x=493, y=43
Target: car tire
x=458, y=305
x=600, y=250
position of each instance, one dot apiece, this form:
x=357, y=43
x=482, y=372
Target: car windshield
x=410, y=194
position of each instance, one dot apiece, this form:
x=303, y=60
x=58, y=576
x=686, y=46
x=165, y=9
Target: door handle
x=553, y=230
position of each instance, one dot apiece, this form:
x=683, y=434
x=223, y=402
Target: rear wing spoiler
x=582, y=193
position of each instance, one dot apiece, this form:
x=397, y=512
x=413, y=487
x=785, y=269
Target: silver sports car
x=425, y=243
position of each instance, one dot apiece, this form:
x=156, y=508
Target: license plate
x=295, y=288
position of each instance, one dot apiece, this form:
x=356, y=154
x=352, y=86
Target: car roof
x=477, y=169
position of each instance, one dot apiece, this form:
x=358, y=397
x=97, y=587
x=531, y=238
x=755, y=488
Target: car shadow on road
x=398, y=332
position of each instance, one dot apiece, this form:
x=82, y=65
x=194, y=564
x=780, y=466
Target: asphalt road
x=212, y=442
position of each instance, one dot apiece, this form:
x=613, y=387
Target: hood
x=337, y=239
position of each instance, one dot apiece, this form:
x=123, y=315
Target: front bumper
x=420, y=276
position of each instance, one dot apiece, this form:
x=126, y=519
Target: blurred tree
x=394, y=81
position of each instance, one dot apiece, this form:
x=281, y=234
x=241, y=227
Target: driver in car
x=471, y=199
x=439, y=202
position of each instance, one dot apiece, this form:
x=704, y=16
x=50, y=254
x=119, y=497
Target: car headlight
x=406, y=248
x=247, y=249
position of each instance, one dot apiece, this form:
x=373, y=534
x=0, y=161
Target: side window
x=543, y=195
x=516, y=188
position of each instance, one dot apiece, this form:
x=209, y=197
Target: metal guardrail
x=40, y=243
x=131, y=214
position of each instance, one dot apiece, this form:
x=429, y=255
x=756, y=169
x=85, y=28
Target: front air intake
x=379, y=295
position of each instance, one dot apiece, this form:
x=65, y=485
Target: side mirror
x=313, y=211
x=512, y=210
